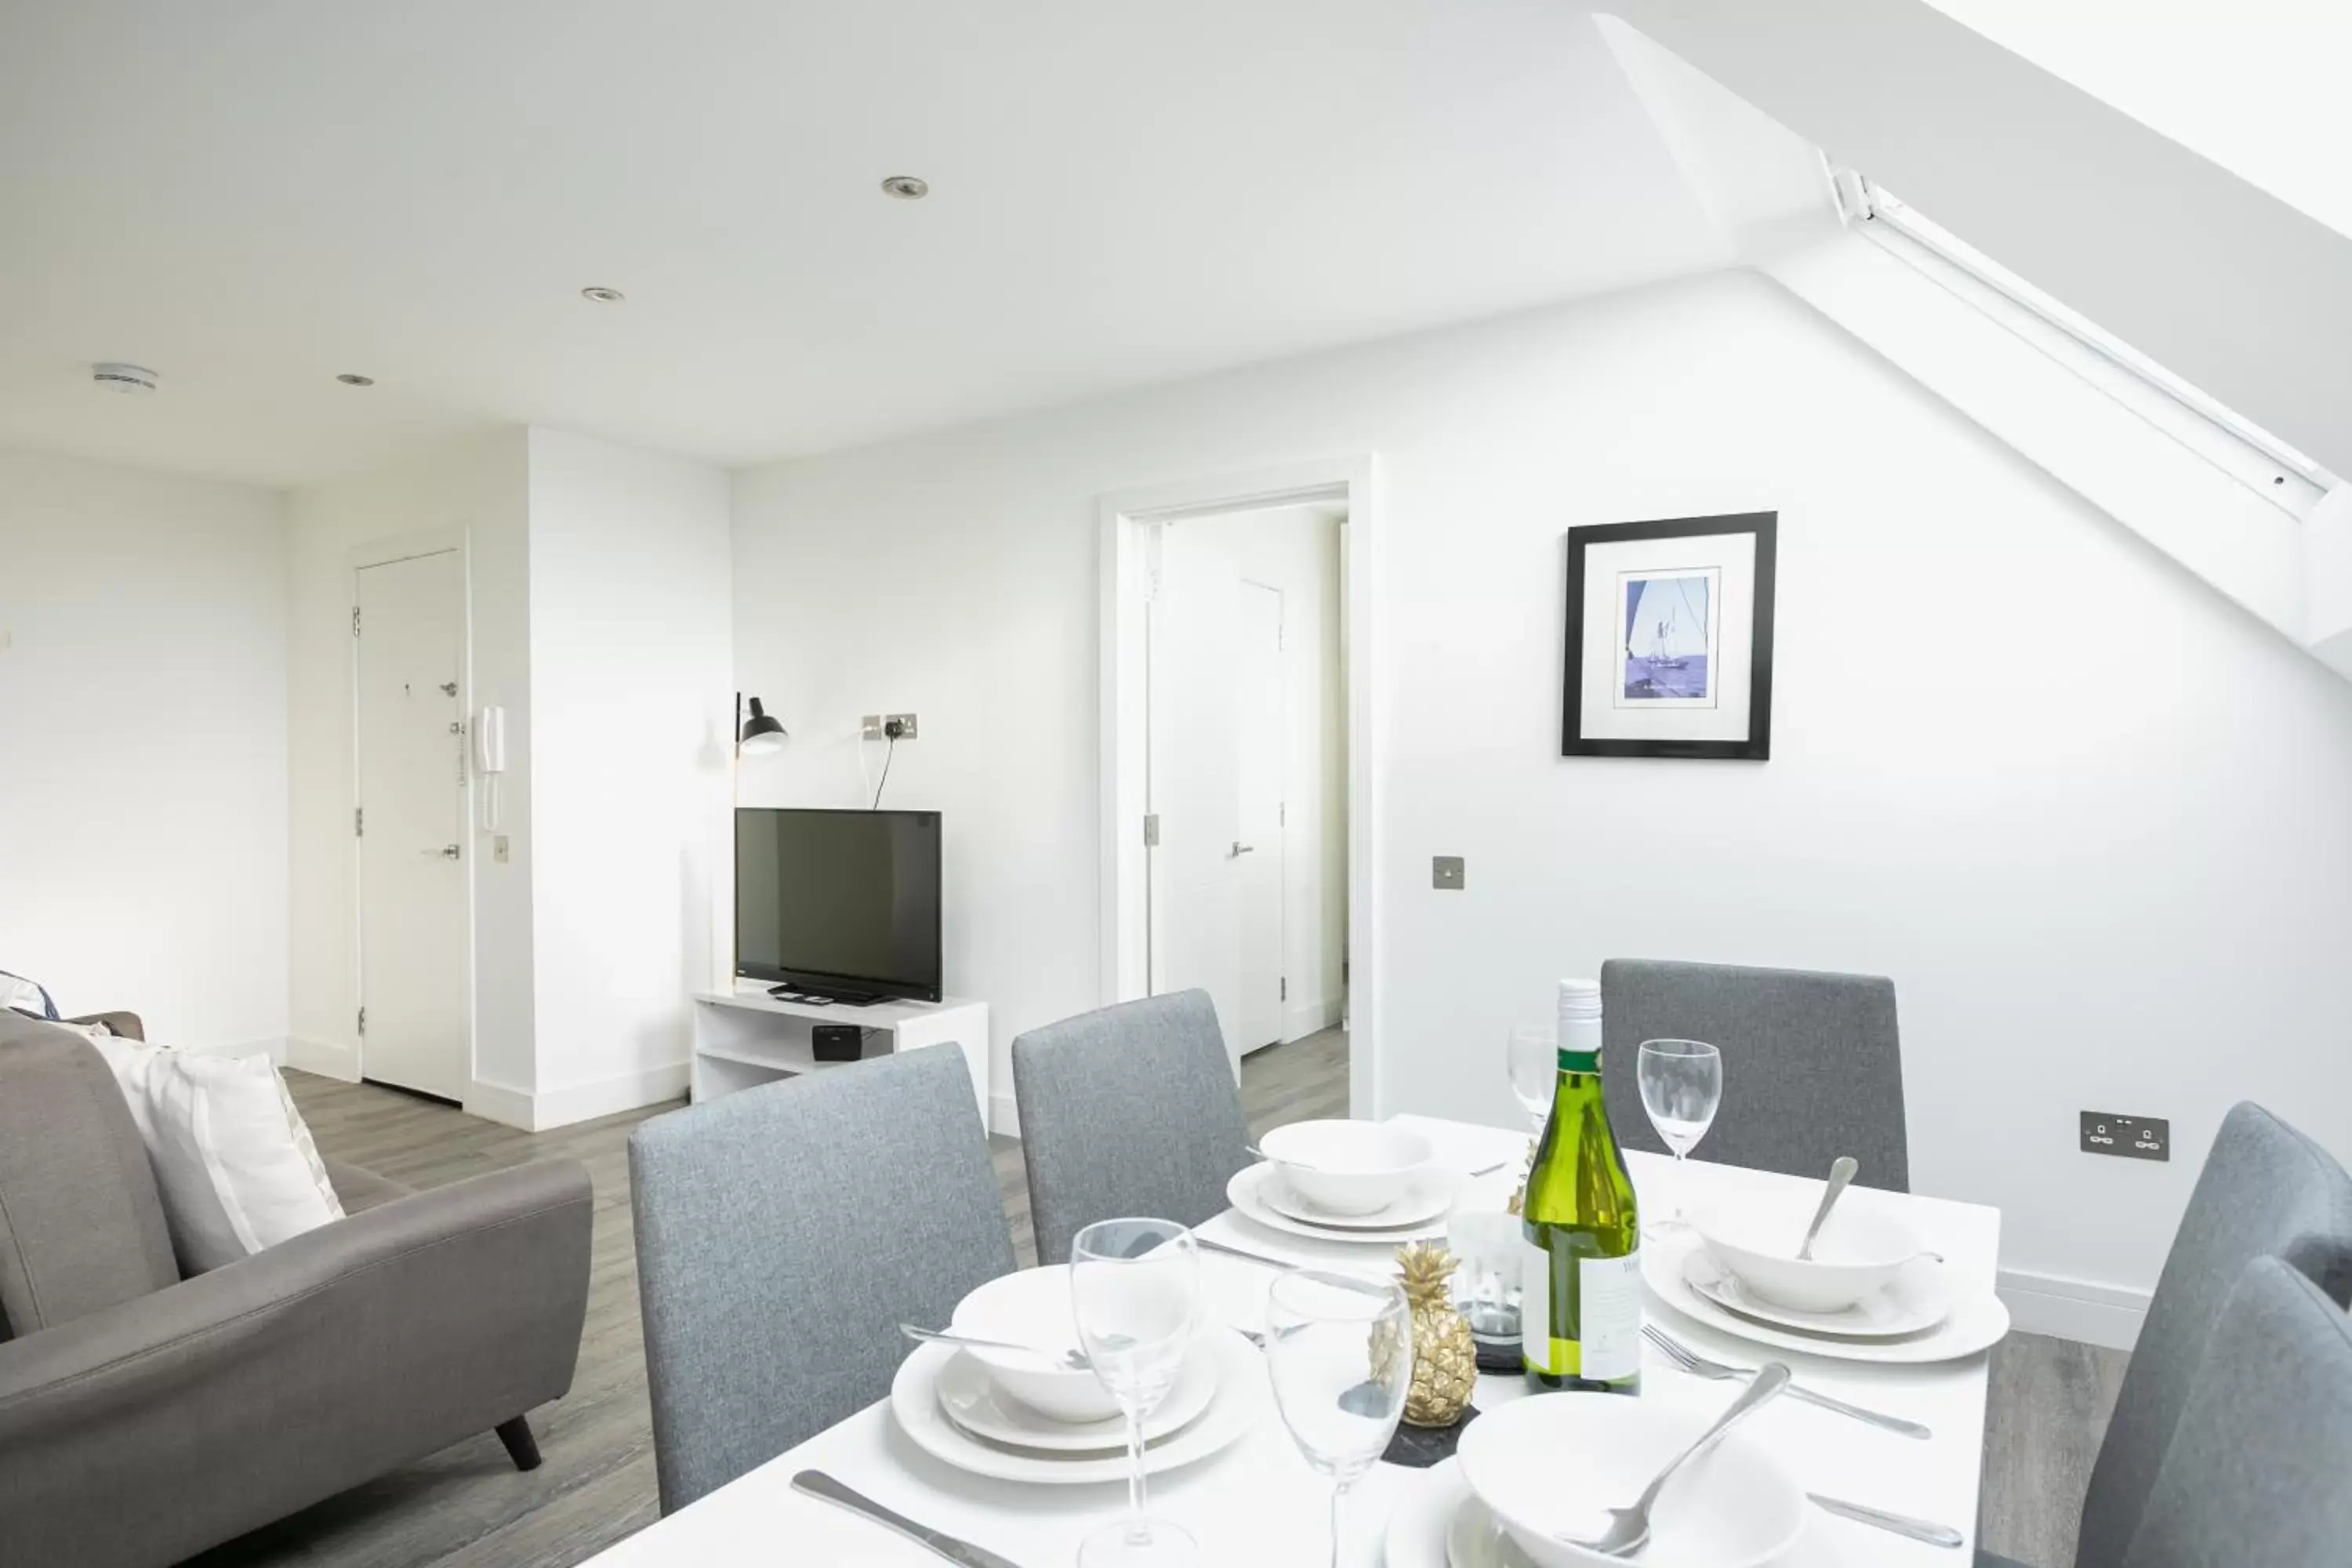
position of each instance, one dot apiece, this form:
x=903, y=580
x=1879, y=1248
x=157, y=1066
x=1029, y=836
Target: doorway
x=410, y=819
x=1235, y=758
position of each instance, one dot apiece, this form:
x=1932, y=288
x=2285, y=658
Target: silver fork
x=1697, y=1365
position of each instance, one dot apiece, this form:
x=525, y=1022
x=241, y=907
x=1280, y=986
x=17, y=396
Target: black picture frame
x=1758, y=746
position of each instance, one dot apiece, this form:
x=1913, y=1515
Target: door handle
x=447, y=852
x=1241, y=849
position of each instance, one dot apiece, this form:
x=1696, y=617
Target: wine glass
x=1339, y=1350
x=1535, y=1070
x=1682, y=1084
x=1135, y=1291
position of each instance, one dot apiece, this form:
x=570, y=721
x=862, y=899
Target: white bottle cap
x=1580, y=998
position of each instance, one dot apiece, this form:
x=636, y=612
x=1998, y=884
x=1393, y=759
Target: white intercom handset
x=490, y=759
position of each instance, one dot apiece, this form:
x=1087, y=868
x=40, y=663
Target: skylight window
x=2264, y=463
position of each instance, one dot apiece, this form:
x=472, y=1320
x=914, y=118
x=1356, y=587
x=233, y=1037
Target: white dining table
x=1257, y=1502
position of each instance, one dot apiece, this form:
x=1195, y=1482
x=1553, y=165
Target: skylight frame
x=2262, y=462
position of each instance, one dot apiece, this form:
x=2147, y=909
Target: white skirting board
x=537, y=1110
x=274, y=1047
x=326, y=1058
x=1003, y=1116
x=2068, y=1309
x=1301, y=1019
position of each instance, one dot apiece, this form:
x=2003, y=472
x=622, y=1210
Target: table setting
x=1297, y=1379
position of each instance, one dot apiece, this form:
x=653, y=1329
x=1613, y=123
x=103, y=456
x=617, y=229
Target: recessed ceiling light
x=349, y=379
x=115, y=377
x=603, y=296
x=906, y=188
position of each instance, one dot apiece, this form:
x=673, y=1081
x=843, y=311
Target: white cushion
x=235, y=1163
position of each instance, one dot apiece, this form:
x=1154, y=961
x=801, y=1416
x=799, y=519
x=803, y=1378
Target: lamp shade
x=761, y=732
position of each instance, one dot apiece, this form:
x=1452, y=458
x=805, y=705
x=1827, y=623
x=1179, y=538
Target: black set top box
x=837, y=1042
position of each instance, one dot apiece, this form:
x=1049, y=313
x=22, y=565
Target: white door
x=413, y=929
x=1259, y=745
x=1192, y=636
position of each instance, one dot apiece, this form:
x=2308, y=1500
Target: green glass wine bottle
x=1581, y=1283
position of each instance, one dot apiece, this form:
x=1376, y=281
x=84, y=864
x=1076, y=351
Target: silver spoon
x=1068, y=1360
x=1840, y=1172
x=1629, y=1528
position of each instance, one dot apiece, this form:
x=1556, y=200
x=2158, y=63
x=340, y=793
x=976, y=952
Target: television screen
x=845, y=903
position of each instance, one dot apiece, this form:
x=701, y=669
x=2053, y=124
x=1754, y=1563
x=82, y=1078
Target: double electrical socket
x=877, y=726
x=2131, y=1137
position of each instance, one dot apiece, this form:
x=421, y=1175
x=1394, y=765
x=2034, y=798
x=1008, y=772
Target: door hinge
x=362, y=1020
x=1286, y=987
x=1151, y=831
x=355, y=620
x=1282, y=815
x=359, y=822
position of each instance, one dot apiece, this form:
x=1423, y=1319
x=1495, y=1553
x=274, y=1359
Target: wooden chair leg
x=521, y=1446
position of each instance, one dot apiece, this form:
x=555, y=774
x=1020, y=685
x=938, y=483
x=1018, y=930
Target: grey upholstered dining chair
x=1129, y=1110
x=2266, y=1191
x=1812, y=1068
x=2256, y=1471
x=783, y=1233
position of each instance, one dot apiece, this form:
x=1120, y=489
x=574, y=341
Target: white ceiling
x=251, y=197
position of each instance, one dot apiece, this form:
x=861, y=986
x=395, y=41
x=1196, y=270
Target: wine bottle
x=1580, y=1282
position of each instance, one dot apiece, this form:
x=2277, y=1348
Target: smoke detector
x=123, y=377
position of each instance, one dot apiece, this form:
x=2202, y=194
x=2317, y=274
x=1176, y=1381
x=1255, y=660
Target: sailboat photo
x=1666, y=638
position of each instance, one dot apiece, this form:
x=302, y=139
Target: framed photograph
x=1669, y=639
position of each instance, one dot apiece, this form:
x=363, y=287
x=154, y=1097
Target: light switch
x=1446, y=871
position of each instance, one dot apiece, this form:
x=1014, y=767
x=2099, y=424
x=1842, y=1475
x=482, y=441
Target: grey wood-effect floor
x=466, y=1507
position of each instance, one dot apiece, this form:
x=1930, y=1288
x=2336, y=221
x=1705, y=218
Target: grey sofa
x=144, y=1416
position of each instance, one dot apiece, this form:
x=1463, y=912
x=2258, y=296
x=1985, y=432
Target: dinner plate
x=1246, y=1192
x=1974, y=1323
x=1242, y=1400
x=973, y=1402
x=1918, y=1298
x=1425, y=1200
x=1440, y=1523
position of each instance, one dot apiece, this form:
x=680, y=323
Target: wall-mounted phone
x=490, y=759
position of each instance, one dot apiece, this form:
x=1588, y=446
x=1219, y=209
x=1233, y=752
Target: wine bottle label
x=1609, y=1295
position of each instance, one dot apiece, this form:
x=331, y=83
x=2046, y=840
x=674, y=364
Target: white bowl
x=1559, y=1461
x=1347, y=1168
x=1033, y=1308
x=1857, y=1255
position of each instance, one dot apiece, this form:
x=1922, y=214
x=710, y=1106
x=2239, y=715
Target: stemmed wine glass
x=1339, y=1350
x=1682, y=1084
x=1535, y=1070
x=1135, y=1291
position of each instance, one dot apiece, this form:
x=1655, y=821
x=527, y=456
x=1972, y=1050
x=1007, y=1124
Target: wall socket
x=2130, y=1137
x=874, y=726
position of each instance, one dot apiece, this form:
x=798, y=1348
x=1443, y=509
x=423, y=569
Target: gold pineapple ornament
x=1445, y=1356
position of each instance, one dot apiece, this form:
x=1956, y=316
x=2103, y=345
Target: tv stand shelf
x=745, y=1037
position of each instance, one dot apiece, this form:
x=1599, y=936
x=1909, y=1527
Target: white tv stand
x=745, y=1037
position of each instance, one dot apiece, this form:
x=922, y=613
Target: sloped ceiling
x=2239, y=292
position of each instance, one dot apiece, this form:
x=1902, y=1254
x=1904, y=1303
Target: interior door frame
x=383, y=551
x=1126, y=535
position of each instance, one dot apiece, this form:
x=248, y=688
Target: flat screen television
x=839, y=903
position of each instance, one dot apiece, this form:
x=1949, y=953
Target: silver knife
x=819, y=1485
x=1934, y=1534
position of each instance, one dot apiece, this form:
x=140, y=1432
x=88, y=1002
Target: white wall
x=142, y=747
x=1297, y=550
x=2088, y=815
x=475, y=489
x=632, y=701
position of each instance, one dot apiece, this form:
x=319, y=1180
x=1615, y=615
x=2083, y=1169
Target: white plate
x=1424, y=1201
x=1976, y=1323
x=970, y=1396
x=1244, y=1400
x=1440, y=1523
x=1247, y=1192
x=1919, y=1299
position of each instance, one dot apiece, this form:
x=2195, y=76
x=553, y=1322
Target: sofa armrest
x=359, y=1189
x=264, y=1386
x=126, y=1025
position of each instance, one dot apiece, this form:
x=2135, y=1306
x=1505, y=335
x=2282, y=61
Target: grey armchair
x=144, y=1417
